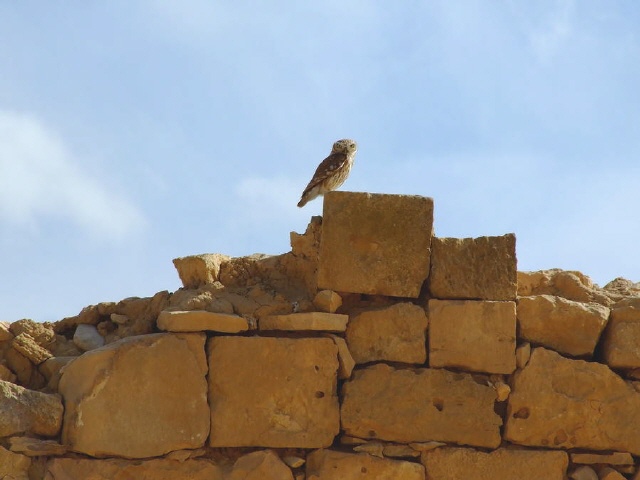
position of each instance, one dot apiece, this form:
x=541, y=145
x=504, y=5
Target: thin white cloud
x=40, y=178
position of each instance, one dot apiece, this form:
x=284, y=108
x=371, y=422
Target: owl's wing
x=327, y=168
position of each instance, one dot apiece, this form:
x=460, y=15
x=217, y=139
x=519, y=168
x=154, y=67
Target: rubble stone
x=449, y=463
x=481, y=268
x=260, y=465
x=563, y=325
x=332, y=465
x=197, y=270
x=621, y=346
x=380, y=403
x=396, y=334
x=201, y=320
x=320, y=321
x=42, y=333
x=27, y=346
x=327, y=301
x=14, y=466
x=345, y=359
x=615, y=458
x=28, y=411
x=376, y=244
x=472, y=335
x=561, y=403
x=273, y=392
x=35, y=447
x=167, y=410
x=87, y=337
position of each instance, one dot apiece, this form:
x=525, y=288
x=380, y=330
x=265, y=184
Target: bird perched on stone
x=332, y=172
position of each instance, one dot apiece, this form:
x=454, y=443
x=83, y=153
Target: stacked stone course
x=372, y=350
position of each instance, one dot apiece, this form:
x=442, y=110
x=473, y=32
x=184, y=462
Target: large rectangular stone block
x=419, y=405
x=376, y=244
x=621, y=347
x=333, y=465
x=481, y=268
x=464, y=464
x=556, y=402
x=473, y=335
x=273, y=392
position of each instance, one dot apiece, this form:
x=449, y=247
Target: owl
x=332, y=172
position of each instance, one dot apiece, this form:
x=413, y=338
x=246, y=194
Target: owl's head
x=345, y=145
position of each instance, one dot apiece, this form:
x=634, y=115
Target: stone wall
x=372, y=350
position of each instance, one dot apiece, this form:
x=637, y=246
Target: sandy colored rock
x=464, y=463
x=621, y=346
x=583, y=473
x=608, y=473
x=200, y=320
x=372, y=448
x=523, y=354
x=51, y=368
x=481, y=268
x=567, y=284
x=396, y=334
x=14, y=466
x=118, y=469
x=27, y=373
x=27, y=346
x=332, y=465
x=260, y=465
x=345, y=359
x=375, y=243
x=380, y=403
x=561, y=403
x=319, y=321
x=43, y=334
x=87, y=337
x=563, y=325
x=399, y=451
x=7, y=375
x=273, y=392
x=35, y=447
x=167, y=410
x=616, y=458
x=197, y=270
x=5, y=332
x=327, y=301
x=472, y=335
x=28, y=411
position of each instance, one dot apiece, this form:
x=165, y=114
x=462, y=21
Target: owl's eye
x=353, y=145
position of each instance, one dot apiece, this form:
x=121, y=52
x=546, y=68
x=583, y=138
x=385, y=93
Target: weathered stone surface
x=197, y=270
x=583, y=473
x=42, y=333
x=27, y=411
x=345, y=359
x=201, y=320
x=27, y=346
x=6, y=374
x=396, y=333
x=332, y=465
x=117, y=469
x=473, y=335
x=5, y=332
x=562, y=403
x=621, y=347
x=34, y=447
x=375, y=243
x=563, y=325
x=260, y=465
x=464, y=463
x=399, y=451
x=327, y=301
x=320, y=321
x=50, y=369
x=157, y=382
x=28, y=375
x=273, y=392
x=523, y=353
x=616, y=458
x=561, y=283
x=14, y=466
x=380, y=402
x=481, y=268
x=608, y=473
x=87, y=337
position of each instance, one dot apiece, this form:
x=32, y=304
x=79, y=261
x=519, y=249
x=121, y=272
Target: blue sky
x=134, y=132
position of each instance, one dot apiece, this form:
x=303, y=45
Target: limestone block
x=449, y=463
x=621, y=347
x=28, y=411
x=14, y=466
x=561, y=403
x=197, y=270
x=42, y=333
x=608, y=473
x=201, y=320
x=332, y=465
x=345, y=359
x=26, y=372
x=375, y=243
x=327, y=301
x=615, y=458
x=396, y=334
x=27, y=346
x=567, y=284
x=87, y=337
x=523, y=353
x=481, y=268
x=118, y=469
x=139, y=397
x=260, y=465
x=7, y=375
x=381, y=402
x=51, y=368
x=34, y=447
x=273, y=392
x=320, y=321
x=583, y=473
x=473, y=335
x=5, y=332
x=563, y=325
